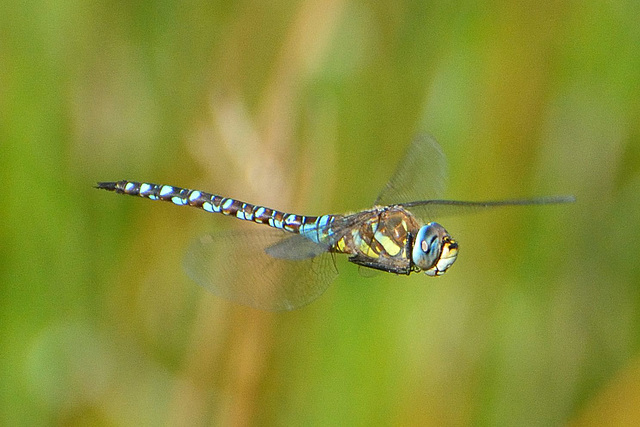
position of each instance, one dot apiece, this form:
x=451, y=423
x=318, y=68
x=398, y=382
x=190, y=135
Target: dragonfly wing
x=295, y=248
x=420, y=175
x=420, y=179
x=314, y=242
x=236, y=266
x=428, y=210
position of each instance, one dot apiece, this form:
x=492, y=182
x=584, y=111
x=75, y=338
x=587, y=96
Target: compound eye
x=431, y=246
x=427, y=247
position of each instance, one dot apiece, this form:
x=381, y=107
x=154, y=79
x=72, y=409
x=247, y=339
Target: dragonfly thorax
x=391, y=239
x=434, y=251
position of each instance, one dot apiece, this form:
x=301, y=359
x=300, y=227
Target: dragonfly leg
x=366, y=261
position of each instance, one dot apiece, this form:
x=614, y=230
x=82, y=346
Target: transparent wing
x=235, y=265
x=420, y=175
x=428, y=210
x=296, y=247
x=299, y=247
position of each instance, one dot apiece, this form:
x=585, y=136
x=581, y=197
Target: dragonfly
x=291, y=262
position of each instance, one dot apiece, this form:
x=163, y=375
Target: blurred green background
x=307, y=107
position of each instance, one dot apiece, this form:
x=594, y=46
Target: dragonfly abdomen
x=214, y=203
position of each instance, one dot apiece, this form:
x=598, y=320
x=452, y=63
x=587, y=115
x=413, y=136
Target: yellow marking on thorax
x=362, y=245
x=383, y=236
x=341, y=245
x=387, y=243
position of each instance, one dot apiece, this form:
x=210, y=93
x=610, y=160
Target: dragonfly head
x=434, y=251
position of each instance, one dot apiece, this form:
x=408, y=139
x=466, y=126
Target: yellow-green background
x=307, y=107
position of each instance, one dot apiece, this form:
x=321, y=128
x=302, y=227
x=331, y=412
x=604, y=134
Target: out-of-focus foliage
x=307, y=107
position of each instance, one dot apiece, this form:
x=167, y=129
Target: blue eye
x=434, y=245
x=433, y=250
x=426, y=248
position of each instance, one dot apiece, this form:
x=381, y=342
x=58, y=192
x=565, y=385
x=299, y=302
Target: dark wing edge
x=429, y=209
